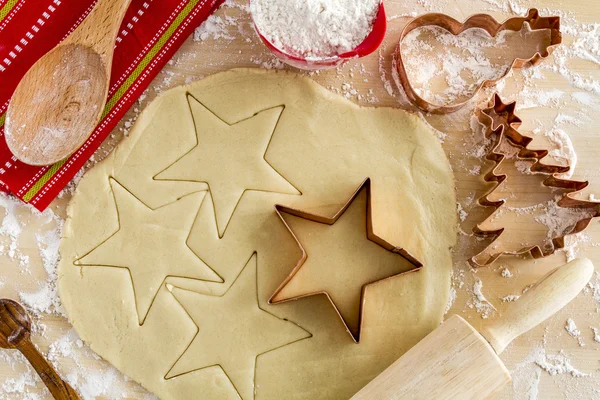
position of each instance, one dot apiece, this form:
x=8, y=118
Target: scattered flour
x=314, y=28
x=271, y=63
x=560, y=220
x=387, y=82
x=46, y=299
x=11, y=229
x=524, y=166
x=584, y=98
x=475, y=170
x=511, y=298
x=525, y=382
x=585, y=46
x=462, y=214
x=527, y=374
x=216, y=28
x=596, y=332
x=530, y=98
x=457, y=279
x=72, y=185
x=571, y=328
x=562, y=118
x=556, y=364
x=506, y=273
x=572, y=243
x=563, y=151
x=451, y=299
x=25, y=385
x=593, y=287
x=10, y=225
x=481, y=304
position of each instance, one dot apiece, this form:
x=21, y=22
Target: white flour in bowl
x=314, y=28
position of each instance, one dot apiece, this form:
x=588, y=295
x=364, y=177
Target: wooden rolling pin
x=456, y=362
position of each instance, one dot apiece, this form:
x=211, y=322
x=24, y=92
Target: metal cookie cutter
x=366, y=185
x=501, y=122
x=491, y=26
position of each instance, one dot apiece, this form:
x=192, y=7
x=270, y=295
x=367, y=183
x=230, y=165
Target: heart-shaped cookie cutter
x=501, y=123
x=492, y=27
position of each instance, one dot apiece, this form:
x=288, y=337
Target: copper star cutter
x=492, y=27
x=501, y=123
x=366, y=185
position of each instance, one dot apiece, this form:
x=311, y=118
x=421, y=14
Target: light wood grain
x=100, y=28
x=452, y=362
x=544, y=299
x=60, y=100
x=456, y=362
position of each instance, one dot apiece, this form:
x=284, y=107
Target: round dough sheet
x=173, y=246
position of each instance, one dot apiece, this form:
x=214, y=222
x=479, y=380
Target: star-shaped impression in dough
x=151, y=245
x=230, y=158
x=233, y=330
x=341, y=258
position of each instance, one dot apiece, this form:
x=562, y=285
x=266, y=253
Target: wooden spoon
x=60, y=100
x=15, y=331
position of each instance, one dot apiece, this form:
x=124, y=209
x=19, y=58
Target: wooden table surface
x=532, y=357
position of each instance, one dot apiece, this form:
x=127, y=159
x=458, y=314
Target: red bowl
x=369, y=45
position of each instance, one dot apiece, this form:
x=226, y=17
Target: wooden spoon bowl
x=15, y=324
x=60, y=100
x=57, y=102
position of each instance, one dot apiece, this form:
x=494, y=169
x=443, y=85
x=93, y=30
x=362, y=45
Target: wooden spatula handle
x=550, y=294
x=59, y=389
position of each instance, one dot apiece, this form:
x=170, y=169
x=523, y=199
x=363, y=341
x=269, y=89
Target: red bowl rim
x=366, y=47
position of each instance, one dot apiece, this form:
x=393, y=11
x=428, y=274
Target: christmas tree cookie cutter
x=366, y=185
x=501, y=122
x=491, y=26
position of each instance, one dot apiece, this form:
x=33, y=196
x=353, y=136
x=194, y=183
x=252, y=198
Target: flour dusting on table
x=80, y=366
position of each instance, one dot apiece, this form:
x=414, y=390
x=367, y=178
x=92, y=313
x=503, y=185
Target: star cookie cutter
x=492, y=27
x=500, y=121
x=330, y=221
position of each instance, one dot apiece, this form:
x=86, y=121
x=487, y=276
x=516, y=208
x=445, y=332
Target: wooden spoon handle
x=60, y=389
x=544, y=299
x=100, y=28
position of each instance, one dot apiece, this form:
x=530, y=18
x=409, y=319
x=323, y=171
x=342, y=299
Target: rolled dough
x=177, y=230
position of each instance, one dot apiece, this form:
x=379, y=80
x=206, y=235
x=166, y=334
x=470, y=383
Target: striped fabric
x=151, y=32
